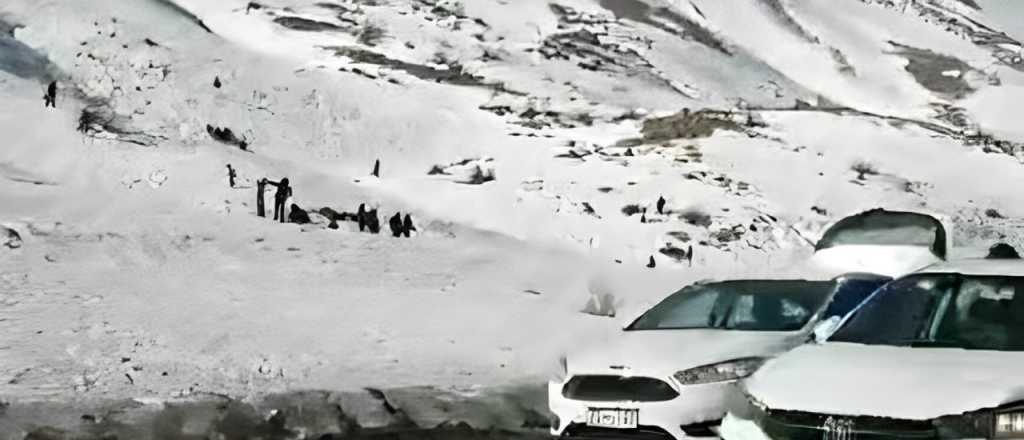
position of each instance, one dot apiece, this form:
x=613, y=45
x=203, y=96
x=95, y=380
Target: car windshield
x=942, y=310
x=756, y=305
x=879, y=227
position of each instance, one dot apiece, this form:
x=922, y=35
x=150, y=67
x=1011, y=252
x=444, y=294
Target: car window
x=756, y=305
x=944, y=310
x=683, y=310
x=850, y=293
x=767, y=313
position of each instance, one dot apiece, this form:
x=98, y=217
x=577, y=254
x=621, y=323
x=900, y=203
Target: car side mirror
x=825, y=328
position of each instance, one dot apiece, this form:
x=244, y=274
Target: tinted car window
x=850, y=293
x=758, y=305
x=944, y=310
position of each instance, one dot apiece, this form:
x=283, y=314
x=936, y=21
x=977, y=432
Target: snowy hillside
x=530, y=141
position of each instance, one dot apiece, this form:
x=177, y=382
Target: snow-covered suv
x=936, y=354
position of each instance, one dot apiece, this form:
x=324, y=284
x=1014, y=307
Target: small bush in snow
x=372, y=34
x=480, y=176
x=992, y=213
x=631, y=209
x=696, y=217
x=864, y=168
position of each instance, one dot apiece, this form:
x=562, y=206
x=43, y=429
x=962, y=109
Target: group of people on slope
x=367, y=219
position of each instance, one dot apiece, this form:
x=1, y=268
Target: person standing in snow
x=407, y=226
x=376, y=168
x=284, y=191
x=261, y=186
x=361, y=217
x=231, y=176
x=661, y=205
x=50, y=98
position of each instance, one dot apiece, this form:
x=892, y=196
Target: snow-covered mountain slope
x=530, y=140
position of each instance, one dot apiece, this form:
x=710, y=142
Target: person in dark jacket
x=376, y=168
x=361, y=217
x=396, y=224
x=373, y=221
x=298, y=215
x=231, y=176
x=261, y=187
x=284, y=191
x=407, y=226
x=661, y=205
x=50, y=98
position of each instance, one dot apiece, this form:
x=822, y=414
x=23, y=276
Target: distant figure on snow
x=661, y=205
x=261, y=186
x=284, y=191
x=231, y=176
x=689, y=255
x=50, y=98
x=396, y=224
x=372, y=221
x=361, y=217
x=298, y=215
x=376, y=168
x=407, y=226
x=216, y=82
x=650, y=263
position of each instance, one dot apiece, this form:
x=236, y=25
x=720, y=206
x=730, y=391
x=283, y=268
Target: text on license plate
x=612, y=418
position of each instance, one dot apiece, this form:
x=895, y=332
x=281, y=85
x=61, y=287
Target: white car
x=938, y=354
x=672, y=373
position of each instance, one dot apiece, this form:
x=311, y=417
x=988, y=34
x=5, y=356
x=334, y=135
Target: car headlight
x=1010, y=423
x=721, y=372
x=1006, y=422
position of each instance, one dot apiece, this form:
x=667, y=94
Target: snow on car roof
x=979, y=266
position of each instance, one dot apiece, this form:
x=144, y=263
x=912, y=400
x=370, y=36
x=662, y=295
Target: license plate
x=613, y=418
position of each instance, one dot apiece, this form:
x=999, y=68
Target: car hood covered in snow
x=660, y=353
x=885, y=381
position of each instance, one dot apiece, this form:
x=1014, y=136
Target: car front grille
x=581, y=431
x=795, y=425
x=609, y=388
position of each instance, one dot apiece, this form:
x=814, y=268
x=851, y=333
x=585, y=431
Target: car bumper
x=695, y=405
x=735, y=427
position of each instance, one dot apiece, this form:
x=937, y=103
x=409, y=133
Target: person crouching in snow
x=396, y=224
x=284, y=191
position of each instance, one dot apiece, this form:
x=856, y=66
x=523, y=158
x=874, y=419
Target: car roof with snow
x=979, y=266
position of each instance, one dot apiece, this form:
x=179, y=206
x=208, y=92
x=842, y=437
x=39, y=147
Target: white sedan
x=936, y=354
x=673, y=372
